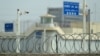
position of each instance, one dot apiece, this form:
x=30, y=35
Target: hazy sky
x=8, y=8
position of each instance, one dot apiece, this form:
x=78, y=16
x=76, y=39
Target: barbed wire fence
x=64, y=44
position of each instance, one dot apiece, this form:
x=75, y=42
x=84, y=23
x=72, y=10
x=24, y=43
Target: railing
x=72, y=43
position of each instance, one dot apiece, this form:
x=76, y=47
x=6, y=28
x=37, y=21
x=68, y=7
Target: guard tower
x=47, y=20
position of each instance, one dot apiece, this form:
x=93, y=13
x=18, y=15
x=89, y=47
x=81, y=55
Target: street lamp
x=19, y=13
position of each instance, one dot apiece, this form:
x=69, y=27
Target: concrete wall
x=95, y=27
x=77, y=27
x=72, y=30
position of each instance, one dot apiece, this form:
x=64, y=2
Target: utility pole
x=84, y=23
x=84, y=17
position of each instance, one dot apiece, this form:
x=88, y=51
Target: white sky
x=8, y=8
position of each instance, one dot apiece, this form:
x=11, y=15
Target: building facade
x=67, y=20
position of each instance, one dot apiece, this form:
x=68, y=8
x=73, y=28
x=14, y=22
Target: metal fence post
x=56, y=44
x=89, y=41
